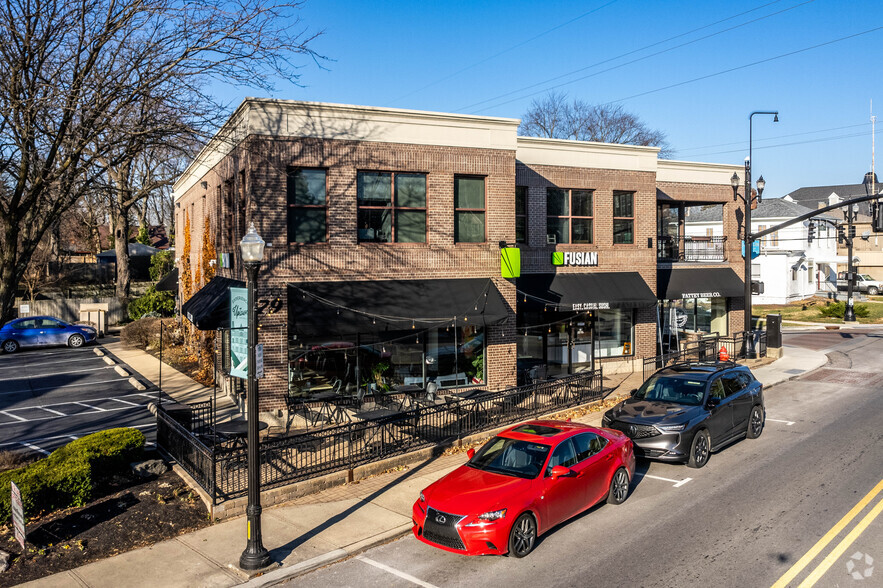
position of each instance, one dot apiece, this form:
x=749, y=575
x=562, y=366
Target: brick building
x=385, y=228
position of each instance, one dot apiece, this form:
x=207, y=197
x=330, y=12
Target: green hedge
x=837, y=309
x=67, y=476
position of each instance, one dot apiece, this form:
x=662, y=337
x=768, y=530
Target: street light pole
x=747, y=198
x=255, y=555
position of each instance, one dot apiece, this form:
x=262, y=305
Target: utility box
x=95, y=313
x=774, y=330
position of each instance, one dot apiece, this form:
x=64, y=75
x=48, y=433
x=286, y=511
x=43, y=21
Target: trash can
x=774, y=330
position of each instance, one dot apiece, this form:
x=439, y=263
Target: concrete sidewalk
x=321, y=528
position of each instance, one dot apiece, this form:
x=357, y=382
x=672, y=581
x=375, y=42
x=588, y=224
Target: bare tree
x=555, y=117
x=74, y=73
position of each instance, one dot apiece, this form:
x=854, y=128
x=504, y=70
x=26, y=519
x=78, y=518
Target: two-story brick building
x=385, y=230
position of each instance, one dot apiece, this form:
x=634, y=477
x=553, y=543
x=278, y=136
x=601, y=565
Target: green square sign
x=557, y=258
x=510, y=262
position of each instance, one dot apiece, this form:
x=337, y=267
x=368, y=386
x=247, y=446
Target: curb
x=287, y=573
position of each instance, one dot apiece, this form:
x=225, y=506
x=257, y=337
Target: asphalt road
x=53, y=395
x=799, y=498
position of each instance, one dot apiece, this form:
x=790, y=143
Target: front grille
x=635, y=431
x=441, y=527
x=649, y=452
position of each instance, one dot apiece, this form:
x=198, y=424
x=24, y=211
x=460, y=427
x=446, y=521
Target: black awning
x=169, y=282
x=592, y=291
x=209, y=308
x=710, y=282
x=325, y=308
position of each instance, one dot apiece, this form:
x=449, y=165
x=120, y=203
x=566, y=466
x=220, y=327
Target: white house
x=789, y=267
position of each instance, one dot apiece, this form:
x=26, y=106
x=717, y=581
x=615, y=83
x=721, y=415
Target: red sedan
x=522, y=483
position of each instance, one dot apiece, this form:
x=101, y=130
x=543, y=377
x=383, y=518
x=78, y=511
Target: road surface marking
x=14, y=416
x=126, y=402
x=20, y=366
x=826, y=564
x=50, y=410
x=72, y=437
x=95, y=408
x=35, y=448
x=395, y=572
x=789, y=423
x=63, y=386
x=828, y=537
x=677, y=483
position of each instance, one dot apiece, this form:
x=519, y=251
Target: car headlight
x=488, y=517
x=422, y=497
x=671, y=428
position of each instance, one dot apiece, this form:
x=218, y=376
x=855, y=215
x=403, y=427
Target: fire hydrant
x=723, y=354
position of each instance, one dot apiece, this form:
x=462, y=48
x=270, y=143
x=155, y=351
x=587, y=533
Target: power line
x=745, y=144
x=504, y=51
x=602, y=62
x=791, y=144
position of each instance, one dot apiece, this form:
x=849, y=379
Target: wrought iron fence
x=221, y=468
x=738, y=346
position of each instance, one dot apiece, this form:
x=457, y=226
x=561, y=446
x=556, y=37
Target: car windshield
x=676, y=389
x=867, y=277
x=511, y=457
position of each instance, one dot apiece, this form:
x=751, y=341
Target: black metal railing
x=221, y=468
x=738, y=346
x=696, y=248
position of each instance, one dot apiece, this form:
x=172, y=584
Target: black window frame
x=570, y=216
x=521, y=195
x=623, y=219
x=293, y=206
x=393, y=206
x=458, y=210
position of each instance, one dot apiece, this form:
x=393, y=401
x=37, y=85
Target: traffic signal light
x=810, y=232
x=877, y=217
x=852, y=232
x=841, y=233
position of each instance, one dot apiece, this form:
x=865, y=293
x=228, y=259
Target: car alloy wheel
x=755, y=423
x=523, y=535
x=873, y=291
x=76, y=341
x=10, y=346
x=700, y=451
x=619, y=487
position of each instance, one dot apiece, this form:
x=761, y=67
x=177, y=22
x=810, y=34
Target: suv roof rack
x=692, y=365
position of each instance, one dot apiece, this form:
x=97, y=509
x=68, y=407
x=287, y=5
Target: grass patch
x=812, y=309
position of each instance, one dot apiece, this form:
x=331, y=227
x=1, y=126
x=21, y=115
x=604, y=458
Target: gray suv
x=684, y=412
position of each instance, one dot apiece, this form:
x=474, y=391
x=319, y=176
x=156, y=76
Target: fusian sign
x=575, y=258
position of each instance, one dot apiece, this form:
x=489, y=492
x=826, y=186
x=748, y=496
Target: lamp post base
x=255, y=558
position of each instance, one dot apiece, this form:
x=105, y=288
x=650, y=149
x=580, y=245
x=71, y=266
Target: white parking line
x=72, y=437
x=51, y=410
x=675, y=483
x=19, y=367
x=395, y=572
x=14, y=416
x=63, y=386
x=35, y=448
x=98, y=409
x=126, y=402
x=788, y=423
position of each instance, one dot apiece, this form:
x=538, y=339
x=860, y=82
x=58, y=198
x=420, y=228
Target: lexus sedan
x=43, y=331
x=522, y=483
x=684, y=412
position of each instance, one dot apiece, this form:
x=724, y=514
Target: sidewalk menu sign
x=18, y=515
x=239, y=332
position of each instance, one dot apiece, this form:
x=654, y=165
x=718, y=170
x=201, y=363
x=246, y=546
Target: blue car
x=43, y=331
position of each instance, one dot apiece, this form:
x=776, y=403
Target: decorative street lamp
x=255, y=555
x=749, y=239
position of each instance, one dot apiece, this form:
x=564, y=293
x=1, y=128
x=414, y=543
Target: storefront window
x=682, y=319
x=616, y=333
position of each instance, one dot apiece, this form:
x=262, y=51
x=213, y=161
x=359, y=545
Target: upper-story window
x=569, y=216
x=623, y=217
x=521, y=214
x=307, y=206
x=469, y=209
x=392, y=207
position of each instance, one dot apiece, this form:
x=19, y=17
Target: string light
x=412, y=325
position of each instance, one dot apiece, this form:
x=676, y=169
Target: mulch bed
x=130, y=513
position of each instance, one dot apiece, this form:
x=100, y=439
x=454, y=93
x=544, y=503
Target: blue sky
x=694, y=70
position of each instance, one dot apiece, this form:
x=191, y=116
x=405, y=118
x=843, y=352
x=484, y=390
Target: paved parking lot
x=50, y=396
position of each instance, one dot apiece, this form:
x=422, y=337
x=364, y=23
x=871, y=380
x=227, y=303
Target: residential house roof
x=768, y=208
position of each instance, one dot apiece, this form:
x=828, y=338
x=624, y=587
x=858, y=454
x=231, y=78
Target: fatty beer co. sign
x=575, y=258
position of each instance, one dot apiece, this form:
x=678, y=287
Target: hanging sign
x=575, y=258
x=510, y=262
x=239, y=333
x=755, y=249
x=259, y=361
x=18, y=514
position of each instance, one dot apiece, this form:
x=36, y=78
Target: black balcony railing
x=739, y=346
x=696, y=248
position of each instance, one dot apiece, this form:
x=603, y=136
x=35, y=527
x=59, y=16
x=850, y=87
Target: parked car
x=43, y=331
x=522, y=483
x=863, y=283
x=684, y=412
